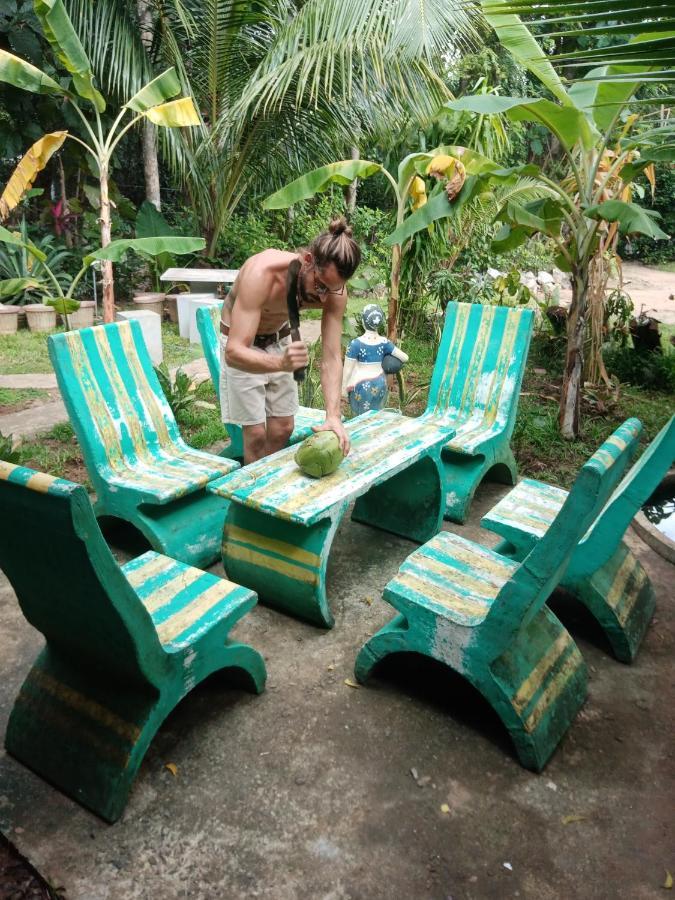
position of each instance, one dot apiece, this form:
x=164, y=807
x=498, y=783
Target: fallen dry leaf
x=445, y=809
x=368, y=600
x=351, y=683
x=172, y=767
x=567, y=820
x=668, y=883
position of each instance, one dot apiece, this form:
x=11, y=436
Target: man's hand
x=339, y=429
x=295, y=357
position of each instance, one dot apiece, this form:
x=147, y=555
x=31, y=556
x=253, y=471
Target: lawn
x=26, y=351
x=15, y=399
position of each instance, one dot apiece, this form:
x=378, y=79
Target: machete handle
x=298, y=374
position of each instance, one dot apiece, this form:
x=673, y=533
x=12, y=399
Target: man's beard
x=304, y=294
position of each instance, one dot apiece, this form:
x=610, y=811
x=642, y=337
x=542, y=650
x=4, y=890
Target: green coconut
x=319, y=454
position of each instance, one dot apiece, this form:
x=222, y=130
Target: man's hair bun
x=340, y=226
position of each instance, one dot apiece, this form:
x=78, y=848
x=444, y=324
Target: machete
x=293, y=309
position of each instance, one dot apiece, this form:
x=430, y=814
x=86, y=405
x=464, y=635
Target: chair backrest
x=208, y=325
x=541, y=570
x=113, y=397
x=480, y=363
x=637, y=486
x=67, y=581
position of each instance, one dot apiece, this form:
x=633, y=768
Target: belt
x=262, y=340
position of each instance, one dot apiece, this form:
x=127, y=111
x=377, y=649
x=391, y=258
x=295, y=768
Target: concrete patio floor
x=308, y=791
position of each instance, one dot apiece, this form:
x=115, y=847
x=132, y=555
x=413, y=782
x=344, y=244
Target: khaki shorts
x=250, y=399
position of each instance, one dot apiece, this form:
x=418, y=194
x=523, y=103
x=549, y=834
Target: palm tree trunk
x=149, y=135
x=350, y=190
x=570, y=398
x=106, y=267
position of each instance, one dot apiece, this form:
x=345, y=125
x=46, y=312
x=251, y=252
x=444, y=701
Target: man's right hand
x=295, y=357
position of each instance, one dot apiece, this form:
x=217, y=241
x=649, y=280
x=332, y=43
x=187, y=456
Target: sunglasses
x=323, y=289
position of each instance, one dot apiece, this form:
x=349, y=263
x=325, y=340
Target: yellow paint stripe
x=90, y=708
x=445, y=597
x=467, y=553
x=40, y=482
x=6, y=469
x=453, y=358
x=500, y=375
x=472, y=378
x=534, y=680
x=150, y=568
x=629, y=599
x=254, y=558
x=146, y=393
x=620, y=579
x=554, y=689
x=194, y=610
x=487, y=587
x=184, y=578
x=235, y=533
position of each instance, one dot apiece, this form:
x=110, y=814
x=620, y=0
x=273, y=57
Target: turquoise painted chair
x=123, y=645
x=141, y=468
x=474, y=389
x=603, y=573
x=485, y=616
x=208, y=323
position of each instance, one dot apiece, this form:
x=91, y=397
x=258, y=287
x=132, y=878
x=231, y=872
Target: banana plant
x=62, y=297
x=153, y=102
x=603, y=158
x=409, y=188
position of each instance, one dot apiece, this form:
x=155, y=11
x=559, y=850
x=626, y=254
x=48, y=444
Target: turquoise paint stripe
x=140, y=561
x=147, y=588
x=71, y=386
x=102, y=382
x=451, y=391
x=59, y=487
x=410, y=595
x=184, y=597
x=211, y=618
x=483, y=360
x=446, y=582
x=451, y=314
x=265, y=551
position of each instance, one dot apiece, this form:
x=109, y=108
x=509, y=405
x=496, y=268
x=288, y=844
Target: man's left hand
x=339, y=429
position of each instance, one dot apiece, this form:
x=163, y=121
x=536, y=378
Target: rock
x=545, y=278
x=380, y=290
x=494, y=273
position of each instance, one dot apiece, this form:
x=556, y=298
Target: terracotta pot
x=40, y=317
x=154, y=302
x=9, y=319
x=171, y=307
x=82, y=317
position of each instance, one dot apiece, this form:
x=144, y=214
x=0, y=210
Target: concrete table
x=280, y=524
x=200, y=280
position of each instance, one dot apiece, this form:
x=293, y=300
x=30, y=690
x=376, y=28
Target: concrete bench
x=474, y=390
x=123, y=645
x=280, y=524
x=141, y=468
x=602, y=573
x=208, y=324
x=485, y=616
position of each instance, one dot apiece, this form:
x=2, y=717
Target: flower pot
x=40, y=317
x=81, y=318
x=9, y=319
x=171, y=307
x=154, y=302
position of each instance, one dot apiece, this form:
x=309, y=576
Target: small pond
x=660, y=509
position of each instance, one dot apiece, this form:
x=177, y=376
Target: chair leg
x=537, y=687
x=231, y=656
x=83, y=733
x=621, y=598
x=461, y=476
x=395, y=637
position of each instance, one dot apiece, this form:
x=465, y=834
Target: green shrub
x=651, y=370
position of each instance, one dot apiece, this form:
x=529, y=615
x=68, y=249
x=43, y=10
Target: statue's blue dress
x=370, y=393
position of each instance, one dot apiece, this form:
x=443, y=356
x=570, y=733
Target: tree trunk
x=393, y=291
x=149, y=136
x=350, y=190
x=106, y=266
x=570, y=398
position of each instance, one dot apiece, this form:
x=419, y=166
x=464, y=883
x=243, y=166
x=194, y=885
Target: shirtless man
x=257, y=389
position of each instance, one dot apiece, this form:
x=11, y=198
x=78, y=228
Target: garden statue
x=369, y=359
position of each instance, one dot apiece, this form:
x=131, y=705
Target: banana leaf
x=156, y=91
x=21, y=74
x=153, y=246
x=31, y=164
x=319, y=180
x=63, y=305
x=174, y=114
x=438, y=207
x=8, y=237
x=10, y=287
x=632, y=219
x=59, y=31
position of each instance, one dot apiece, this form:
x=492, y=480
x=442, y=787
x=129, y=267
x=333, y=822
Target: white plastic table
x=200, y=280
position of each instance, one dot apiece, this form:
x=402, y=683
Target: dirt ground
x=405, y=788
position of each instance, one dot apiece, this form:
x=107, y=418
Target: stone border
x=651, y=535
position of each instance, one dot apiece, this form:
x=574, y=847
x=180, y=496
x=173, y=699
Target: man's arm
x=244, y=321
x=331, y=366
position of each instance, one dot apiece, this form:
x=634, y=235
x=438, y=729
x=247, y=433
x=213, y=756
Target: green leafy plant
x=7, y=453
x=19, y=265
x=309, y=390
x=179, y=392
